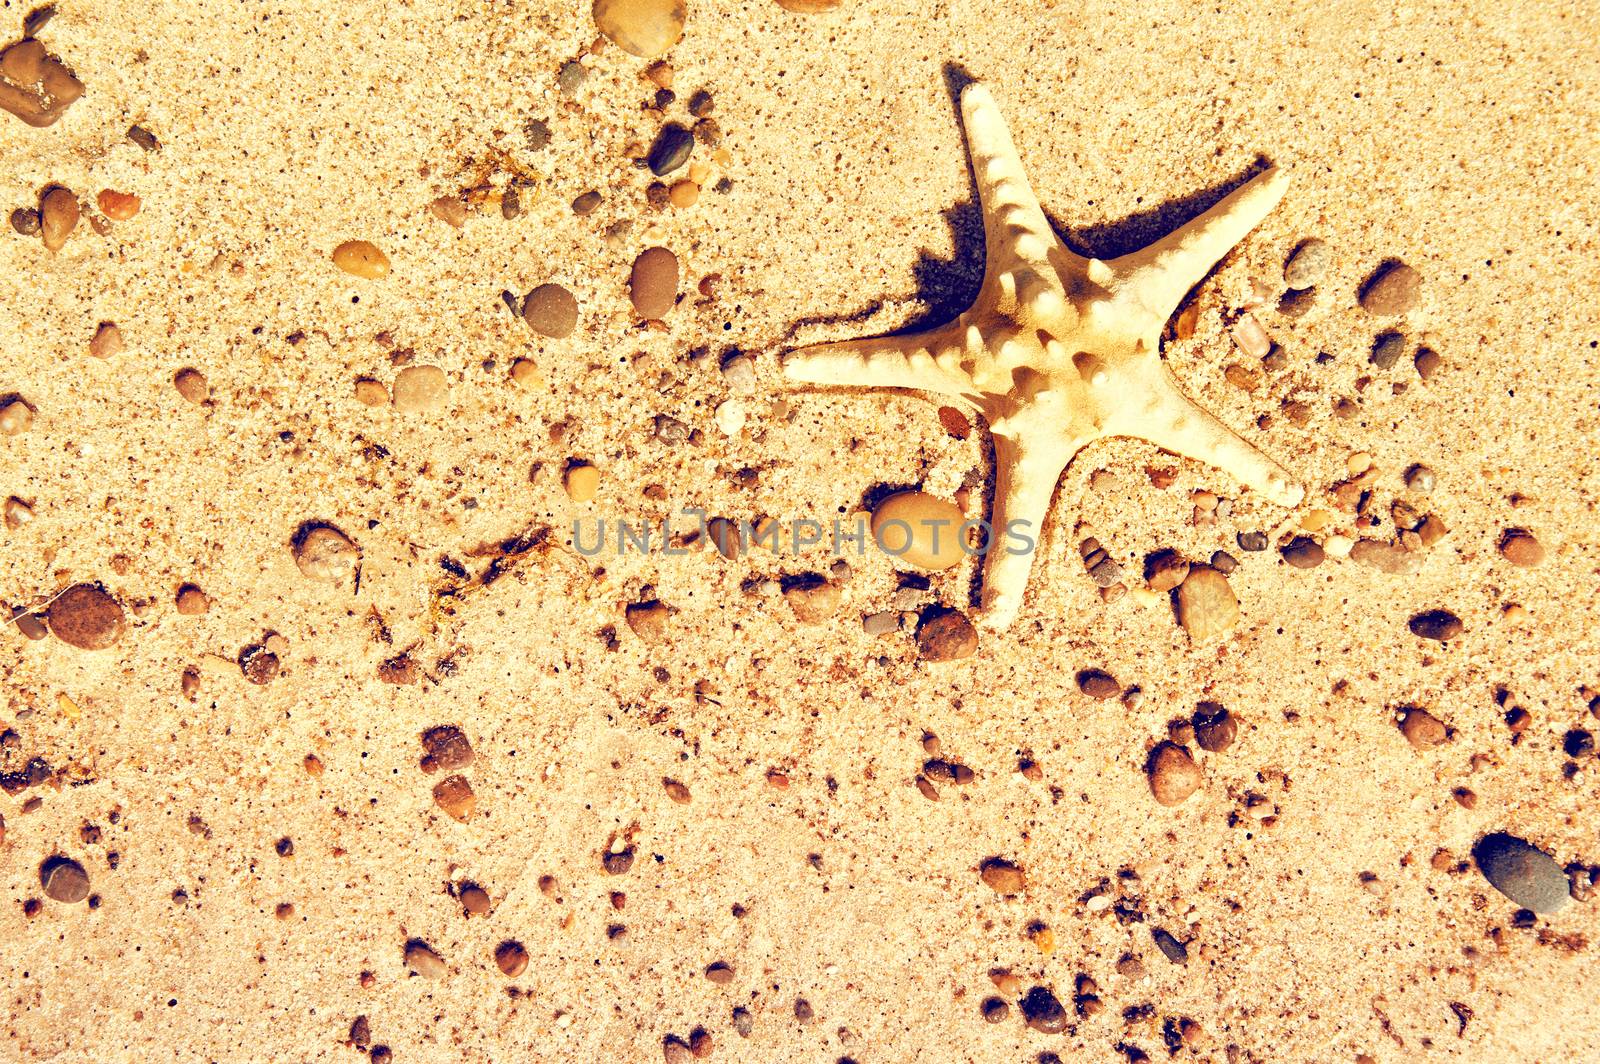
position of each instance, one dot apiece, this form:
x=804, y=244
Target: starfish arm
x=1159, y=276
x=1025, y=482
x=1174, y=423
x=926, y=361
x=1017, y=235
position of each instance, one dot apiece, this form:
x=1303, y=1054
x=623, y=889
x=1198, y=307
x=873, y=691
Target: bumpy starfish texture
x=1059, y=350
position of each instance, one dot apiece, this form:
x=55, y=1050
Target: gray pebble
x=1522, y=872
x=1223, y=562
x=1175, y=951
x=1252, y=541
x=740, y=373
x=1307, y=264
x=1394, y=289
x=1387, y=349
x=671, y=150
x=671, y=431
x=1106, y=572
x=538, y=133
x=571, y=76
x=881, y=624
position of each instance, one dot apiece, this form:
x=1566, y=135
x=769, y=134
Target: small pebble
x=653, y=283
x=1173, y=774
x=995, y=1010
x=1252, y=541
x=421, y=958
x=445, y=749
x=25, y=220
x=452, y=210
x=1003, y=877
x=1297, y=303
x=1214, y=727
x=919, y=529
x=645, y=28
x=1307, y=263
x=1420, y=478
x=1427, y=363
x=649, y=620
x=1393, y=290
x=511, y=958
x=1042, y=1011
x=1387, y=349
x=454, y=795
x=474, y=900
x=58, y=215
x=550, y=310
x=192, y=385
x=1440, y=625
x=1522, y=872
x=16, y=417
x=946, y=636
x=118, y=206
x=1519, y=547
x=324, y=553
x=1223, y=562
x=361, y=258
x=1206, y=606
x=1174, y=950
x=1422, y=729
x=371, y=393
x=582, y=482
x=586, y=204
x=1387, y=557
x=1302, y=552
x=419, y=389
x=1097, y=684
x=571, y=77
x=813, y=602
x=1165, y=570
x=86, y=617
x=17, y=513
x=64, y=880
x=671, y=150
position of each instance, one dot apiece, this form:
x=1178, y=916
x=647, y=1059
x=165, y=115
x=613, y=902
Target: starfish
x=1059, y=350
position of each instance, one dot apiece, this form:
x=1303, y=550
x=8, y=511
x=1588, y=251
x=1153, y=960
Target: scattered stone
x=649, y=620
x=586, y=204
x=1173, y=774
x=452, y=210
x=419, y=389
x=813, y=601
x=672, y=148
x=107, y=341
x=645, y=28
x=1165, y=570
x=1519, y=547
x=1394, y=289
x=192, y=385
x=1297, y=303
x=259, y=665
x=1205, y=606
x=445, y=749
x=371, y=393
x=1422, y=729
x=946, y=636
x=881, y=624
x=619, y=863
x=87, y=617
x=550, y=310
x=25, y=220
x=1428, y=362
x=454, y=795
x=17, y=513
x=1251, y=338
x=582, y=482
x=676, y=790
x=995, y=1010
x=1387, y=557
x=58, y=216
x=324, y=553
x=35, y=85
x=1223, y=562
x=1097, y=684
x=1522, y=872
x=740, y=373
x=1043, y=1012
x=400, y=670
x=421, y=958
x=1003, y=877
x=362, y=258
x=1174, y=950
x=1302, y=552
x=653, y=283
x=146, y=140
x=1252, y=541
x=1420, y=478
x=1307, y=263
x=511, y=958
x=1440, y=625
x=571, y=77
x=1214, y=727
x=1387, y=349
x=743, y=1021
x=919, y=529
x=64, y=880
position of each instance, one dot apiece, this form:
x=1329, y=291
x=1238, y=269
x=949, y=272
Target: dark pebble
x=1214, y=727
x=995, y=1010
x=1223, y=562
x=1522, y=872
x=144, y=138
x=586, y=203
x=1441, y=625
x=538, y=133
x=1253, y=541
x=1043, y=1012
x=1578, y=743
x=64, y=880
x=1387, y=349
x=700, y=104
x=743, y=1021
x=1171, y=948
x=1297, y=304
x=671, y=150
x=25, y=220
x=1428, y=363
x=571, y=76
x=617, y=864
x=1303, y=552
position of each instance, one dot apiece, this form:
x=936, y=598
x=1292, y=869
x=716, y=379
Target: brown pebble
x=1003, y=877
x=1097, y=684
x=645, y=28
x=16, y=416
x=676, y=790
x=58, y=215
x=422, y=959
x=1214, y=727
x=86, y=617
x=1385, y=557
x=259, y=665
x=118, y=206
x=649, y=620
x=192, y=385
x=107, y=341
x=1422, y=729
x=511, y=958
x=420, y=389
x=1205, y=605
x=1165, y=570
x=445, y=749
x=1173, y=774
x=1440, y=625
x=550, y=310
x=653, y=283
x=719, y=973
x=1303, y=552
x=64, y=880
x=813, y=602
x=586, y=204
x=474, y=900
x=1042, y=1011
x=994, y=1010
x=322, y=552
x=362, y=258
x=35, y=85
x=1519, y=547
x=451, y=210
x=454, y=795
x=946, y=636
x=1393, y=290
x=1427, y=362
x=619, y=863
x=25, y=220
x=371, y=393
x=191, y=601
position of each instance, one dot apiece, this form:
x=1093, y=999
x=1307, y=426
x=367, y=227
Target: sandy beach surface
x=740, y=824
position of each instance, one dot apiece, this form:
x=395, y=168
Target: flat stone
x=1522, y=872
x=1307, y=263
x=86, y=617
x=1386, y=557
x=1394, y=289
x=1440, y=625
x=1206, y=606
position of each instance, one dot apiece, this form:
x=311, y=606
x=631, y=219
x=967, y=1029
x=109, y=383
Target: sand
x=1456, y=137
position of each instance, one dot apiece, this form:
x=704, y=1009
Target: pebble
x=645, y=28
x=1173, y=774
x=1393, y=290
x=1522, y=872
x=58, y=215
x=454, y=795
x=1206, y=606
x=881, y=624
x=648, y=620
x=813, y=602
x=371, y=393
x=1097, y=684
x=1302, y=552
x=744, y=1022
x=118, y=206
x=1251, y=338
x=25, y=220
x=421, y=958
x=740, y=373
x=571, y=77
x=1519, y=547
x=1420, y=478
x=361, y=258
x=86, y=617
x=586, y=204
x=1297, y=303
x=730, y=417
x=324, y=553
x=419, y=389
x=1307, y=263
x=550, y=310
x=510, y=203
x=1440, y=625
x=452, y=210
x=1214, y=727
x=946, y=636
x=1252, y=541
x=1043, y=1012
x=192, y=385
x=17, y=513
x=1165, y=570
x=16, y=417
x=1387, y=557
x=582, y=482
x=1003, y=877
x=511, y=958
x=671, y=150
x=1422, y=729
x=259, y=665
x=1387, y=349
x=445, y=749
x=1223, y=562
x=1427, y=362
x=1170, y=947
x=474, y=900
x=653, y=283
x=994, y=1010
x=919, y=529
x=64, y=880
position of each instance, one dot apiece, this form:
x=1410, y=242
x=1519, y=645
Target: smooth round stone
x=919, y=529
x=64, y=880
x=361, y=258
x=653, y=284
x=551, y=310
x=324, y=553
x=1522, y=872
x=86, y=617
x=645, y=28
x=1308, y=263
x=418, y=389
x=1394, y=289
